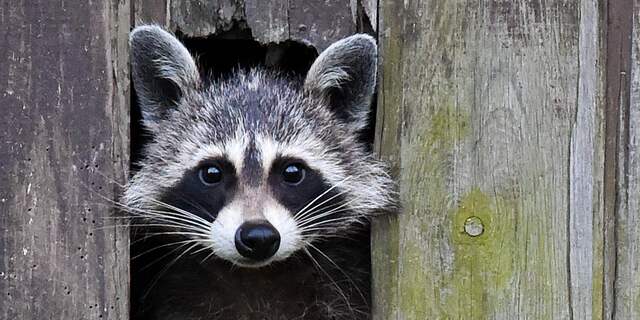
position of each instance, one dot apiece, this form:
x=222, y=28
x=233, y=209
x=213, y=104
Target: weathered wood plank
x=619, y=17
x=371, y=10
x=269, y=20
x=150, y=11
x=320, y=22
x=586, y=158
x=494, y=129
x=627, y=281
x=64, y=97
x=317, y=22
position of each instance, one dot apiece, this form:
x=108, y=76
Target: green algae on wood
x=477, y=112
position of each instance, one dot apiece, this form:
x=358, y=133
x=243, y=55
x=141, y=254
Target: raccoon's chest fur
x=292, y=289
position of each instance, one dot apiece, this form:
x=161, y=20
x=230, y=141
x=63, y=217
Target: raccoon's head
x=255, y=166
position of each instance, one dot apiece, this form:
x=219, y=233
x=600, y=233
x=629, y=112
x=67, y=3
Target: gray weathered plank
x=586, y=158
x=317, y=22
x=488, y=117
x=627, y=284
x=64, y=101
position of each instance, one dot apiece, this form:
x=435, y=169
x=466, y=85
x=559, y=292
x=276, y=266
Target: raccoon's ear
x=162, y=70
x=344, y=76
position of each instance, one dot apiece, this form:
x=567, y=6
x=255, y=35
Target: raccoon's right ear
x=162, y=70
x=344, y=76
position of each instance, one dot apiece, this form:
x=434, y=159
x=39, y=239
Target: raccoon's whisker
x=164, y=270
x=174, y=208
x=169, y=214
x=202, y=237
x=322, y=215
x=178, y=216
x=335, y=284
x=332, y=212
x=317, y=207
x=181, y=233
x=160, y=213
x=172, y=222
x=329, y=212
x=203, y=248
x=352, y=218
x=315, y=237
x=318, y=197
x=163, y=246
x=193, y=203
x=183, y=230
x=318, y=224
x=339, y=269
x=163, y=256
x=177, y=219
x=332, y=206
x=109, y=179
x=166, y=225
x=207, y=257
x=147, y=235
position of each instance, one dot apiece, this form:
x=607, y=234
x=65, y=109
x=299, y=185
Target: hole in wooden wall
x=217, y=56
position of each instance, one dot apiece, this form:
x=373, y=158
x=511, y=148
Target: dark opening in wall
x=217, y=56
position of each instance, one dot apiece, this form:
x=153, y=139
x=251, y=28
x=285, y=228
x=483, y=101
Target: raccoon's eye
x=293, y=174
x=210, y=175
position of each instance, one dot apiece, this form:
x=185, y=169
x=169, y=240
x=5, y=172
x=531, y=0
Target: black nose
x=257, y=240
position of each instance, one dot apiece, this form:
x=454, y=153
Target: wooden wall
x=626, y=285
x=315, y=22
x=64, y=96
x=513, y=128
x=514, y=140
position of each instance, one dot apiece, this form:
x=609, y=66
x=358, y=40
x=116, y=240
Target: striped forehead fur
x=223, y=117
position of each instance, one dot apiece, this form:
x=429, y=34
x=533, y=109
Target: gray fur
x=345, y=76
x=162, y=70
x=320, y=118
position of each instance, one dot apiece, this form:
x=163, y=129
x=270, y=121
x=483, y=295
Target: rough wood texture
x=491, y=110
x=619, y=18
x=64, y=97
x=627, y=281
x=317, y=22
x=586, y=158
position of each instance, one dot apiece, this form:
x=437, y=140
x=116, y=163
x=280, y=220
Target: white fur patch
x=223, y=232
x=308, y=149
x=282, y=220
x=231, y=217
x=192, y=153
x=236, y=148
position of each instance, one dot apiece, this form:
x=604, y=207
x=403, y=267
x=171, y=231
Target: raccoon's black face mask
x=256, y=166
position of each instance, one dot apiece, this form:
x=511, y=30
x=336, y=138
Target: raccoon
x=257, y=185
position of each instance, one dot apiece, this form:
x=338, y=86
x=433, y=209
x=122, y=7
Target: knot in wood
x=473, y=226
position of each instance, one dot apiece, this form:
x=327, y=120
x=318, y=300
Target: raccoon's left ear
x=163, y=71
x=344, y=76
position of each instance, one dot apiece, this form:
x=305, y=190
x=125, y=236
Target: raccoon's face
x=257, y=166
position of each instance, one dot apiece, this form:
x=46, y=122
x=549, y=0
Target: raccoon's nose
x=257, y=240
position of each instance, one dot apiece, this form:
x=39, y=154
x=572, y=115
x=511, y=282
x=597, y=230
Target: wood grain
x=586, y=159
x=491, y=110
x=317, y=23
x=627, y=281
x=64, y=99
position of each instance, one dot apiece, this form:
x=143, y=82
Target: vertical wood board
x=627, y=277
x=491, y=112
x=64, y=96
